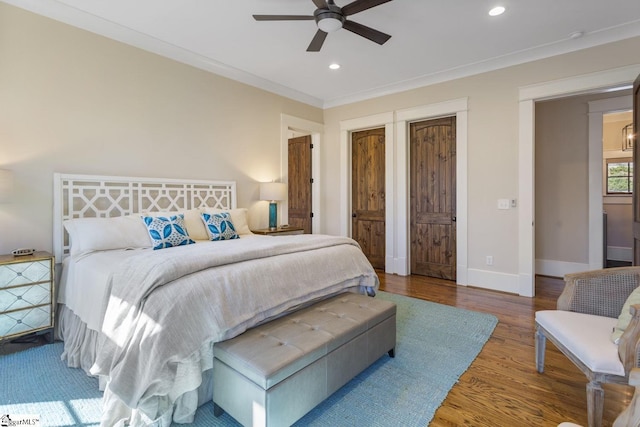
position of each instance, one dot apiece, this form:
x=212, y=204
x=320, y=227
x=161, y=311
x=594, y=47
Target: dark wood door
x=368, y=193
x=636, y=180
x=432, y=182
x=300, y=212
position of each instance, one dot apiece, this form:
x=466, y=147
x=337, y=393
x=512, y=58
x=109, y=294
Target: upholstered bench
x=274, y=374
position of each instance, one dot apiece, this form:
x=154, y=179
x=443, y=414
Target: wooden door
x=432, y=183
x=299, y=183
x=636, y=180
x=368, y=193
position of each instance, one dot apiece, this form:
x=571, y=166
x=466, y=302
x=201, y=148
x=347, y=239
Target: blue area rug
x=435, y=345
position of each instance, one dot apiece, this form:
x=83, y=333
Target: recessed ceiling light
x=334, y=66
x=498, y=10
x=576, y=35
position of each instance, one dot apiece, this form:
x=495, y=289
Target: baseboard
x=493, y=280
x=398, y=265
x=552, y=268
x=618, y=253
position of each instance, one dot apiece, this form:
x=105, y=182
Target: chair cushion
x=587, y=336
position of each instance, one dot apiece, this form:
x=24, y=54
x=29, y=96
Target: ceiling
x=432, y=40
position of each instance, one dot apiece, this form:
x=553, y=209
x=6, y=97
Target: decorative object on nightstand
x=279, y=231
x=26, y=295
x=273, y=192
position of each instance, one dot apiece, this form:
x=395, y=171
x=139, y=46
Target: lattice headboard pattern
x=89, y=196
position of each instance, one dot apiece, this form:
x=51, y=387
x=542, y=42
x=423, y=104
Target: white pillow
x=238, y=217
x=192, y=221
x=167, y=231
x=625, y=315
x=101, y=234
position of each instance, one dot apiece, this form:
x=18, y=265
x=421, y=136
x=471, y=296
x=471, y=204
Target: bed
x=144, y=320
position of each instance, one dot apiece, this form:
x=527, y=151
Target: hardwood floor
x=502, y=386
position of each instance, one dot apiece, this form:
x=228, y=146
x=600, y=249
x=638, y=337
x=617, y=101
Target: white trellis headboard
x=92, y=196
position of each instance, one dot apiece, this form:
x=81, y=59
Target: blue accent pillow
x=167, y=232
x=219, y=226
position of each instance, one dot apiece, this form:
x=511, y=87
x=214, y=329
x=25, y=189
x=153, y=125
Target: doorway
x=368, y=193
x=617, y=187
x=432, y=184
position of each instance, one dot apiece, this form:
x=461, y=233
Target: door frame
x=459, y=109
x=527, y=96
x=287, y=124
x=396, y=123
x=346, y=128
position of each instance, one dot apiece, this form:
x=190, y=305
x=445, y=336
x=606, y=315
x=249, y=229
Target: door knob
x=353, y=215
x=453, y=218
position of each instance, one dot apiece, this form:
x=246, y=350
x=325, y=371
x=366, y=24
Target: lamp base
x=273, y=216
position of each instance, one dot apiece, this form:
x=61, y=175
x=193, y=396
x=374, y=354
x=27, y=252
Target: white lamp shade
x=273, y=191
x=6, y=185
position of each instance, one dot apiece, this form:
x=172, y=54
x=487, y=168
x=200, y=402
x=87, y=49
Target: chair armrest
x=599, y=292
x=629, y=346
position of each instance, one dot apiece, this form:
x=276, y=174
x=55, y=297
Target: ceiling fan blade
x=283, y=17
x=360, y=5
x=366, y=32
x=320, y=4
x=317, y=41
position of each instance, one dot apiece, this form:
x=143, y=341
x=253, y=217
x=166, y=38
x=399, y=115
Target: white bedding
x=165, y=309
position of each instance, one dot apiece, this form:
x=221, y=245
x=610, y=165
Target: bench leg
x=392, y=352
x=541, y=342
x=217, y=410
x=595, y=404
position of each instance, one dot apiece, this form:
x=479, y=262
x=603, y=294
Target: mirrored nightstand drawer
x=25, y=321
x=22, y=273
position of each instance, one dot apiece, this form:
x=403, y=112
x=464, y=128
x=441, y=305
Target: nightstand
x=279, y=231
x=26, y=295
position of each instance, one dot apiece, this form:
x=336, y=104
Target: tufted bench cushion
x=275, y=373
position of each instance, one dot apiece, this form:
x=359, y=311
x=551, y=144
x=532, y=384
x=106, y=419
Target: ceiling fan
x=330, y=18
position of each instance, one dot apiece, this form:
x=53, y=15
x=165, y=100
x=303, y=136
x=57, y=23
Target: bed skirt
x=192, y=388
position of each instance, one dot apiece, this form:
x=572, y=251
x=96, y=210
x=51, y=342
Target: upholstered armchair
x=581, y=328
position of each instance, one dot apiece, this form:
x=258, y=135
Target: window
x=620, y=176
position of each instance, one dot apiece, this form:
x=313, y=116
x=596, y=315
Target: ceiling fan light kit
x=330, y=18
x=329, y=21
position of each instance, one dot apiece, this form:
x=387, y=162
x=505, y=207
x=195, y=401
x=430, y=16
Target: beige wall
x=75, y=102
x=493, y=116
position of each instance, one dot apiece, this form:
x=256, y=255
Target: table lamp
x=273, y=192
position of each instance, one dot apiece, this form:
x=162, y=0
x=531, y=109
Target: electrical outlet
x=489, y=260
x=503, y=203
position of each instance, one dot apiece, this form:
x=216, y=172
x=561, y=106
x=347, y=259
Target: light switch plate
x=503, y=203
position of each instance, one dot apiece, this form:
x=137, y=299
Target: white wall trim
x=527, y=95
x=620, y=253
x=559, y=268
x=526, y=213
x=595, y=207
x=580, y=84
x=457, y=107
x=287, y=123
x=493, y=280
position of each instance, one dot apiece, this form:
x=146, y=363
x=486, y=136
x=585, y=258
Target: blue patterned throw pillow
x=167, y=232
x=219, y=226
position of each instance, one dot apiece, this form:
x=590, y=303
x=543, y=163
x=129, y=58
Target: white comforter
x=166, y=308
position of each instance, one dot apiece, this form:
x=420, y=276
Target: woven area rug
x=435, y=345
